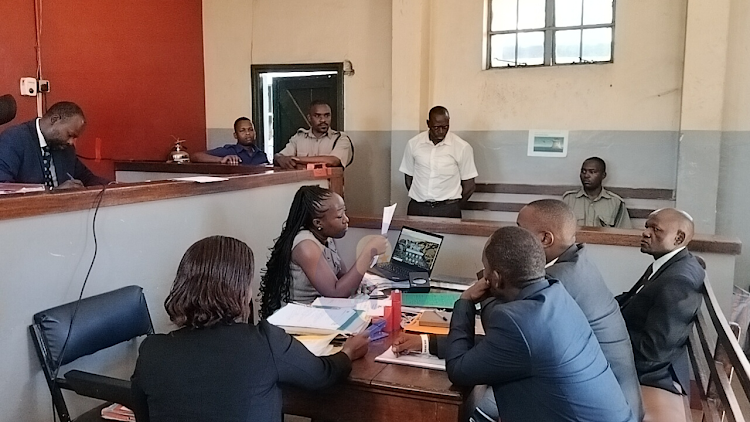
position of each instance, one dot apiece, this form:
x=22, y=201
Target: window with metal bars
x=549, y=32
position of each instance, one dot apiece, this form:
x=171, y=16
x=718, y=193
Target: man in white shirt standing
x=438, y=169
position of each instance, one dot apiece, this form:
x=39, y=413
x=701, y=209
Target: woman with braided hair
x=304, y=262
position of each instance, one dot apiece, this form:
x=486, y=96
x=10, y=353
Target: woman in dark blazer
x=218, y=365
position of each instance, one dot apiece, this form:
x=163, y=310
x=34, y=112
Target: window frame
x=549, y=31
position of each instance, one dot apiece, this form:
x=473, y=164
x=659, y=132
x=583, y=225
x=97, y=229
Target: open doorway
x=281, y=96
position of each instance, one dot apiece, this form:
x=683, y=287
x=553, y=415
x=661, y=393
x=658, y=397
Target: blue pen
x=375, y=332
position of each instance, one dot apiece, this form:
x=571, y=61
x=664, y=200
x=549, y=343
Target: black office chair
x=101, y=321
x=7, y=108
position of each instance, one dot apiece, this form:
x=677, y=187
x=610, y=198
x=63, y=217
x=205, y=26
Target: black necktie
x=47, y=161
x=637, y=286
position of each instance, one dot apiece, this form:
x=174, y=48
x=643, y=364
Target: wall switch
x=43, y=85
x=28, y=87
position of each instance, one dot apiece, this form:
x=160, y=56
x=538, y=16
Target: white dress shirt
x=437, y=169
x=42, y=144
x=663, y=260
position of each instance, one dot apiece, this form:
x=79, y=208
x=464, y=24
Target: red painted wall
x=17, y=54
x=134, y=66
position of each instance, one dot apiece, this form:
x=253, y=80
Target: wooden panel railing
x=716, y=356
x=516, y=207
x=597, y=235
x=559, y=190
x=41, y=203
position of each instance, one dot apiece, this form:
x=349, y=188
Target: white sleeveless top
x=302, y=290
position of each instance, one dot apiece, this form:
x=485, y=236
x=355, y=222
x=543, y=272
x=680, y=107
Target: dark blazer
x=585, y=283
x=659, y=318
x=540, y=357
x=21, y=159
x=582, y=279
x=225, y=373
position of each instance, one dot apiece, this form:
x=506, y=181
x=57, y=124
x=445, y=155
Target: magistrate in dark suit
x=42, y=151
x=539, y=353
x=659, y=312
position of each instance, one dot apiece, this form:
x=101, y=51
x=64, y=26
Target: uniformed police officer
x=593, y=205
x=319, y=144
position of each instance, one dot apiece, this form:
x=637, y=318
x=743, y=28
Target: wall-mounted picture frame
x=548, y=143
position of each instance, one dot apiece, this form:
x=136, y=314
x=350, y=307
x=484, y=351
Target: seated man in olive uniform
x=319, y=144
x=593, y=205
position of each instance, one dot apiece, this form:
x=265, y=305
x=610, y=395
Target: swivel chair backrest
x=100, y=321
x=7, y=108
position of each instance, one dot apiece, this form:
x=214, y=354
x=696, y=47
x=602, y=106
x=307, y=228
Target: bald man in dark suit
x=659, y=311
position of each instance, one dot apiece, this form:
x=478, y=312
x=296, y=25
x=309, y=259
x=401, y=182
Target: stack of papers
x=370, y=307
x=421, y=360
x=20, y=188
x=301, y=319
x=318, y=344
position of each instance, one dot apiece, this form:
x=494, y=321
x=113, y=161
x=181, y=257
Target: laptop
x=415, y=250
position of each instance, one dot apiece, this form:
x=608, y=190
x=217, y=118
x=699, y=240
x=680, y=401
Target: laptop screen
x=417, y=248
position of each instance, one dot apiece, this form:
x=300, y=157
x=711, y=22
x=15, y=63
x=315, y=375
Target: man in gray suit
x=554, y=224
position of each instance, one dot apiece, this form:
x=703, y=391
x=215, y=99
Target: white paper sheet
x=384, y=226
x=337, y=302
x=387, y=218
x=200, y=179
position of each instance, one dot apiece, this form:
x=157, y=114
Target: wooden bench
x=715, y=356
x=543, y=191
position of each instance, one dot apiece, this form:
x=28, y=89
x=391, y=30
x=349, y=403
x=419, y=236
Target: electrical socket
x=28, y=87
x=43, y=85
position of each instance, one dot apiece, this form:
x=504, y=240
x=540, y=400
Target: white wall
x=733, y=199
x=240, y=33
x=640, y=91
x=410, y=55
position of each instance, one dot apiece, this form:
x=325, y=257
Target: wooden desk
x=381, y=392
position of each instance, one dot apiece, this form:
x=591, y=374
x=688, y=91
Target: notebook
x=415, y=250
